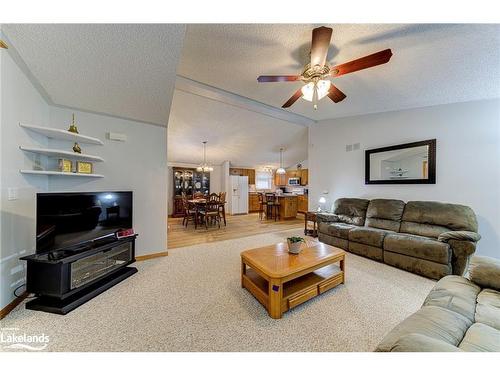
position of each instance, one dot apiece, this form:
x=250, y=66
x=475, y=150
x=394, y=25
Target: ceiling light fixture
x=315, y=91
x=204, y=167
x=281, y=170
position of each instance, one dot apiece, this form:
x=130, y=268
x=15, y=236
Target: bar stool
x=273, y=204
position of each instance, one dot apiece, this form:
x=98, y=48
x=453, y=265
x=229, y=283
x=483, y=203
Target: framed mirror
x=409, y=163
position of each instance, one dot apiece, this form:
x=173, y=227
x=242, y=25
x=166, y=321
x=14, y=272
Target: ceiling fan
x=316, y=75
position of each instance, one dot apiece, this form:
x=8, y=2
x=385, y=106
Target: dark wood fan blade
x=335, y=94
x=363, y=63
x=293, y=99
x=277, y=78
x=319, y=46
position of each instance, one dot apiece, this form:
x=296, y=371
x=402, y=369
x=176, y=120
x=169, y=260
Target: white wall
x=139, y=165
x=215, y=180
x=19, y=102
x=468, y=159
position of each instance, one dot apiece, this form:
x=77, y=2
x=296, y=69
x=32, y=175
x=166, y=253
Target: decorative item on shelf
x=321, y=201
x=281, y=170
x=77, y=149
x=299, y=166
x=295, y=244
x=72, y=126
x=84, y=167
x=65, y=165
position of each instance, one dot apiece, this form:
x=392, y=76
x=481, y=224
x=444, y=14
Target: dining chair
x=222, y=207
x=190, y=212
x=210, y=211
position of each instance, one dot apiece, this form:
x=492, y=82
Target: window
x=263, y=180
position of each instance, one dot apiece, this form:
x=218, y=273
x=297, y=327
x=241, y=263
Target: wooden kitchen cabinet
x=304, y=177
x=302, y=203
x=251, y=176
x=250, y=173
x=253, y=202
x=280, y=179
x=288, y=206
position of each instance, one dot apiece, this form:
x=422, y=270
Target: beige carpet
x=192, y=301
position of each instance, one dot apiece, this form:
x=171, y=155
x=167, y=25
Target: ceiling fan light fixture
x=323, y=86
x=308, y=91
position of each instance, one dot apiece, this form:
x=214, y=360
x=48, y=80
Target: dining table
x=199, y=203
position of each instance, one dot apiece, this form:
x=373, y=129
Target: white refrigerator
x=239, y=195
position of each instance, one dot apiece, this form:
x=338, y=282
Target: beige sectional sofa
x=459, y=314
x=432, y=239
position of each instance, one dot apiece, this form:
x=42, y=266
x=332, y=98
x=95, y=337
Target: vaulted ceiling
x=130, y=71
x=118, y=69
x=431, y=64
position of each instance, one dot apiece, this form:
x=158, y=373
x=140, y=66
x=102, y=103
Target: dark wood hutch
x=188, y=181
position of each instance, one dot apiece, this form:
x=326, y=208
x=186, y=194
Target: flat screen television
x=76, y=220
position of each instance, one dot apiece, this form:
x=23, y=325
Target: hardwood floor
x=237, y=226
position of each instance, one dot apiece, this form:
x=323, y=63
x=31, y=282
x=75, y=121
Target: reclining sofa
x=459, y=314
x=432, y=239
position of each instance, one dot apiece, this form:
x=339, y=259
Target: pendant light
x=204, y=167
x=281, y=170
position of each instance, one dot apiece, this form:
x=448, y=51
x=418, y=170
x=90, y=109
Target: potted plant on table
x=294, y=244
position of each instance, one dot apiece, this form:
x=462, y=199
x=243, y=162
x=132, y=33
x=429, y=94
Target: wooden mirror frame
x=431, y=166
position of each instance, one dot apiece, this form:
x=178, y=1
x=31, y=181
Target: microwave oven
x=294, y=181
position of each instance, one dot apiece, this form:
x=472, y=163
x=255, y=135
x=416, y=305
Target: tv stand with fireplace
x=67, y=278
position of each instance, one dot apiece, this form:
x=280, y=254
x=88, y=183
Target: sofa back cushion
x=351, y=210
x=430, y=219
x=385, y=214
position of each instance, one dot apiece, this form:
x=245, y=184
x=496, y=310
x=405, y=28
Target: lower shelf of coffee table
x=295, y=291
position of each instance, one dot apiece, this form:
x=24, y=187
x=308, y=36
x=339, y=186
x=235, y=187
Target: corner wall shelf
x=61, y=153
x=56, y=173
x=62, y=134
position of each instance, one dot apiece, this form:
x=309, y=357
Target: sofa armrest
x=485, y=272
x=461, y=253
x=416, y=342
x=461, y=235
x=325, y=217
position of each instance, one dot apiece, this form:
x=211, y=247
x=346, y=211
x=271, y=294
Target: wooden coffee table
x=280, y=280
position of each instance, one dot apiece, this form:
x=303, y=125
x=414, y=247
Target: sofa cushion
x=415, y=342
x=418, y=247
x=454, y=293
x=488, y=308
x=333, y=241
x=385, y=214
x=336, y=229
x=430, y=219
x=351, y=210
x=485, y=272
x=368, y=236
x=431, y=321
x=481, y=338
x=366, y=250
x=422, y=267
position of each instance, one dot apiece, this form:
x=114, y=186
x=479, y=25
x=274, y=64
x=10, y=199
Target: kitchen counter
x=290, y=204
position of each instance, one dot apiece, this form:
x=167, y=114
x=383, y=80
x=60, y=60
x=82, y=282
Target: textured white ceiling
x=122, y=70
x=432, y=64
x=243, y=137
